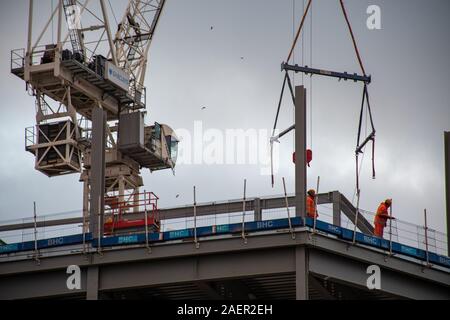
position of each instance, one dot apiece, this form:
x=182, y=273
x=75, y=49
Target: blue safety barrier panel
x=45, y=243
x=438, y=259
x=126, y=240
x=8, y=248
x=254, y=226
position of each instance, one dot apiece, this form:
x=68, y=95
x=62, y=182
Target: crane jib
x=340, y=75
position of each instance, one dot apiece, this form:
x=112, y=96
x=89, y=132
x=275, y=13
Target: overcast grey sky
x=192, y=66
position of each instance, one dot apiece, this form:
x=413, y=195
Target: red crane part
x=118, y=210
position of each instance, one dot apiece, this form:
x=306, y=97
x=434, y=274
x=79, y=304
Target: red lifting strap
x=309, y=157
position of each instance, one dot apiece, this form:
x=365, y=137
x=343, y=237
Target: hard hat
x=312, y=192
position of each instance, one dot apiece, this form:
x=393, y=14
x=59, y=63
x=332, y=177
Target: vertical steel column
x=301, y=273
x=97, y=178
x=447, y=185
x=92, y=283
x=300, y=151
x=336, y=208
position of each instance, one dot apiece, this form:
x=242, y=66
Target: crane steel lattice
x=134, y=36
x=87, y=70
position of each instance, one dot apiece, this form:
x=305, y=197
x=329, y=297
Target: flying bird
x=203, y=108
x=212, y=27
x=177, y=196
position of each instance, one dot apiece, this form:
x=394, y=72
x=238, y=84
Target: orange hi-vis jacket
x=311, y=211
x=380, y=219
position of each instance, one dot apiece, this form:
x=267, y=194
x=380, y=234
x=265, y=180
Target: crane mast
x=91, y=101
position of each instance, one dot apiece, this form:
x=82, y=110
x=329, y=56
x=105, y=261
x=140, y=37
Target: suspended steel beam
x=340, y=75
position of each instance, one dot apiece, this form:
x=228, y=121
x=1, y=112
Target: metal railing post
x=146, y=222
x=390, y=230
x=356, y=215
x=316, y=198
x=84, y=233
x=287, y=209
x=243, y=211
x=36, y=252
x=426, y=237
x=197, y=245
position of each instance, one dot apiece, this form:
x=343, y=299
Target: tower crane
x=90, y=106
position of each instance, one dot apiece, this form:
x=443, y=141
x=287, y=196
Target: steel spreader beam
x=340, y=75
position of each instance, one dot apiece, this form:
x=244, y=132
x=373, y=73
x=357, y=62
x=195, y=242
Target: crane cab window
x=172, y=144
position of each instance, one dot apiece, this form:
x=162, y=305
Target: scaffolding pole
x=390, y=230
x=36, y=252
x=146, y=223
x=243, y=211
x=84, y=231
x=287, y=209
x=447, y=184
x=426, y=237
x=197, y=244
x=316, y=198
x=358, y=193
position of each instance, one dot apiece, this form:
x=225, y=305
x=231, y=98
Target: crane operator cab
x=162, y=141
x=154, y=147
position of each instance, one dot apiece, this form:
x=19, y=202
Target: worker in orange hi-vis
x=311, y=209
x=381, y=217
